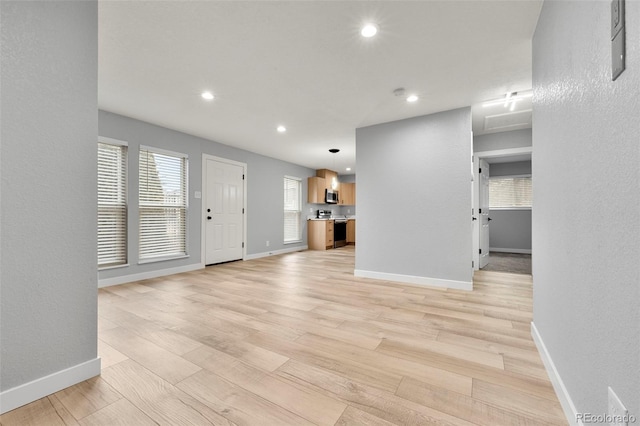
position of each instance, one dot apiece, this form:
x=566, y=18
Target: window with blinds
x=162, y=204
x=292, y=209
x=510, y=192
x=112, y=204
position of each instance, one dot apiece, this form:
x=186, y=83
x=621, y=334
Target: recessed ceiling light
x=207, y=95
x=369, y=30
x=281, y=129
x=412, y=98
x=348, y=169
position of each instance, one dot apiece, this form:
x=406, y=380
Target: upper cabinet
x=315, y=190
x=347, y=194
x=324, y=179
x=330, y=178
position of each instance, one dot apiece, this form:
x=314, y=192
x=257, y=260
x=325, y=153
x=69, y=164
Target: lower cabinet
x=320, y=234
x=351, y=231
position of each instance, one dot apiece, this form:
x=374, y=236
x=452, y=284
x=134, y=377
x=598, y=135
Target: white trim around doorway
x=477, y=156
x=203, y=216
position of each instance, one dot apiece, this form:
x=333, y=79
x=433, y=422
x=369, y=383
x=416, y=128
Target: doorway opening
x=223, y=210
x=502, y=229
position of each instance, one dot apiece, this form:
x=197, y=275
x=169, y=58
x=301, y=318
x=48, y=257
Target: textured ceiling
x=303, y=64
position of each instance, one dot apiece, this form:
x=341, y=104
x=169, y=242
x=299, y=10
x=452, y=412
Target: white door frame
x=476, y=191
x=203, y=216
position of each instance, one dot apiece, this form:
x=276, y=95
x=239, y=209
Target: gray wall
x=48, y=307
x=510, y=229
x=264, y=209
x=502, y=140
x=586, y=232
x=421, y=166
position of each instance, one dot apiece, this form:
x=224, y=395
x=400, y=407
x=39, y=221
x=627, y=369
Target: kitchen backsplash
x=348, y=211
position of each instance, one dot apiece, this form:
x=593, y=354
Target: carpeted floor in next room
x=514, y=263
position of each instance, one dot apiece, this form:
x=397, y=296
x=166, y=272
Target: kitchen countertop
x=332, y=218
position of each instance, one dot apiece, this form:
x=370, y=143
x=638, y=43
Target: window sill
x=510, y=208
x=162, y=259
x=292, y=242
x=106, y=268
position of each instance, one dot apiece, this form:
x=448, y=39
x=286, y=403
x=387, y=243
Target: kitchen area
x=333, y=224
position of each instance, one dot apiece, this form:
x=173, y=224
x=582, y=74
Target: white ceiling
x=303, y=64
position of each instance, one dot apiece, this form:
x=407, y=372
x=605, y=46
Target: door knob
x=208, y=217
x=489, y=219
x=474, y=218
x=208, y=210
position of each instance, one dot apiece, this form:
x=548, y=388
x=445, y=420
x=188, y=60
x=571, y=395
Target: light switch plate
x=617, y=17
x=617, y=38
x=617, y=412
x=617, y=55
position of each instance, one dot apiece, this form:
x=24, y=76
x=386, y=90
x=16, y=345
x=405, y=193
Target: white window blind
x=292, y=209
x=112, y=205
x=162, y=204
x=510, y=191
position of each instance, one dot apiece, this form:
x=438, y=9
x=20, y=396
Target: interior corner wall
x=48, y=303
x=414, y=200
x=586, y=220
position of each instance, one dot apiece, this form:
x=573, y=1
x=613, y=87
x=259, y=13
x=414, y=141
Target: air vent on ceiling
x=506, y=120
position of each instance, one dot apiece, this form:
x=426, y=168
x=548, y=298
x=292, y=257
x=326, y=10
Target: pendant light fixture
x=334, y=180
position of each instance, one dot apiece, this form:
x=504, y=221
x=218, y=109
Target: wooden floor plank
x=297, y=339
x=306, y=403
x=159, y=399
x=121, y=412
x=87, y=397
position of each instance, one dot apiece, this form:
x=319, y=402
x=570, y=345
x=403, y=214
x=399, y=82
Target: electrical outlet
x=310, y=209
x=617, y=412
x=348, y=211
x=267, y=243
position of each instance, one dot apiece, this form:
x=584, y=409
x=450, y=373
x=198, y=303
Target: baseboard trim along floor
x=558, y=385
x=36, y=389
x=412, y=279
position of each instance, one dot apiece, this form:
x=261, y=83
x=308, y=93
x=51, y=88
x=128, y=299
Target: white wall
x=414, y=200
x=586, y=217
x=48, y=330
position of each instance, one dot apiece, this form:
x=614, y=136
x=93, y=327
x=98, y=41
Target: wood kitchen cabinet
x=347, y=194
x=315, y=190
x=351, y=231
x=328, y=176
x=320, y=234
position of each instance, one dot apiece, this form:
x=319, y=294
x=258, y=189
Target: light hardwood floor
x=296, y=339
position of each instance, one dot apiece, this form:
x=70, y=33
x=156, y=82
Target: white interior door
x=224, y=211
x=483, y=212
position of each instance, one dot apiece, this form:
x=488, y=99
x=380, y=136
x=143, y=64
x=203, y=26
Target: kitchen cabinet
x=351, y=231
x=329, y=176
x=315, y=190
x=320, y=234
x=347, y=193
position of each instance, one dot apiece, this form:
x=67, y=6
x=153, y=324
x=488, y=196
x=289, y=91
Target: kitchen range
x=327, y=231
x=339, y=227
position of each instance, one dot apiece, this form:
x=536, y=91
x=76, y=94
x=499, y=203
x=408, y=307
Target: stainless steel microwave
x=330, y=196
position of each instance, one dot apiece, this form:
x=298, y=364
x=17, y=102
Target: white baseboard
x=39, y=388
x=412, y=279
x=569, y=409
x=107, y=282
x=509, y=250
x=275, y=252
